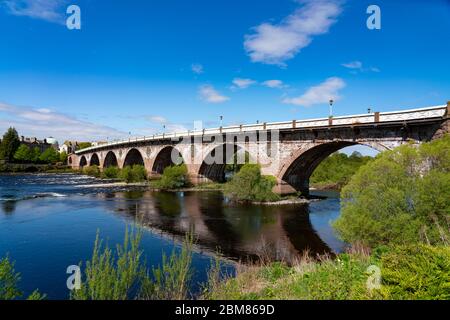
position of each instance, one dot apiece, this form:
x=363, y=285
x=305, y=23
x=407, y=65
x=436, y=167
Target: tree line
x=12, y=150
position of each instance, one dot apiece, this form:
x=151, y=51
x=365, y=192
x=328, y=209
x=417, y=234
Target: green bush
x=401, y=197
x=50, y=155
x=249, y=185
x=136, y=173
x=121, y=274
x=9, y=281
x=416, y=272
x=92, y=171
x=111, y=173
x=173, y=177
x=23, y=153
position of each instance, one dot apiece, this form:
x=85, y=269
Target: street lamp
x=221, y=118
x=331, y=107
x=369, y=110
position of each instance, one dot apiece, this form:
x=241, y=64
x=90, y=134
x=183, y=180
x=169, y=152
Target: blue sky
x=138, y=65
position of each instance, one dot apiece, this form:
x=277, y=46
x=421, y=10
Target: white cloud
x=158, y=119
x=197, y=68
x=239, y=83
x=353, y=65
x=278, y=84
x=358, y=66
x=322, y=93
x=43, y=122
x=48, y=10
x=211, y=95
x=276, y=43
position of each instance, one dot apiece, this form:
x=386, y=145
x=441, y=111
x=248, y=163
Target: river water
x=49, y=221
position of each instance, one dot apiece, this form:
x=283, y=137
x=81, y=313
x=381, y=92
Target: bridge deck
x=360, y=119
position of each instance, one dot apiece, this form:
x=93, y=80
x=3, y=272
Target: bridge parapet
x=422, y=114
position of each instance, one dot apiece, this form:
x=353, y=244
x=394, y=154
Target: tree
x=336, y=170
x=174, y=177
x=249, y=185
x=10, y=144
x=63, y=157
x=23, y=154
x=35, y=154
x=49, y=156
x=402, y=197
x=84, y=145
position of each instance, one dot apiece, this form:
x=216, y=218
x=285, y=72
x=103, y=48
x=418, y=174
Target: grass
x=407, y=273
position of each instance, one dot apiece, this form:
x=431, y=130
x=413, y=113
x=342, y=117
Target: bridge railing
x=375, y=117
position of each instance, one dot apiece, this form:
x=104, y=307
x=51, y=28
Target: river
x=49, y=221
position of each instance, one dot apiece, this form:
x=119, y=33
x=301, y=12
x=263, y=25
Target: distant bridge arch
x=110, y=160
x=133, y=157
x=166, y=157
x=83, y=162
x=95, y=160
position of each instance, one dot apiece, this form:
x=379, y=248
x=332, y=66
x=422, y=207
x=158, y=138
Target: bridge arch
x=168, y=156
x=110, y=160
x=83, y=162
x=214, y=163
x=133, y=157
x=295, y=173
x=95, y=161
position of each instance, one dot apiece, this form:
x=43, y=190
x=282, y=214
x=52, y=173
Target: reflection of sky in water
x=322, y=214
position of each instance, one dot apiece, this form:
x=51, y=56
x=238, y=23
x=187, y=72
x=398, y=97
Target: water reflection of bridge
x=238, y=232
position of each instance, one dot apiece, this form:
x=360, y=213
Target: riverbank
x=10, y=168
x=384, y=274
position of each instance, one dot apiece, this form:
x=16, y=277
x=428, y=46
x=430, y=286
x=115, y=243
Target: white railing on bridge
x=375, y=117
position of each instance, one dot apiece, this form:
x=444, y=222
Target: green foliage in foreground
x=122, y=274
x=401, y=197
x=9, y=280
x=414, y=272
x=173, y=177
x=336, y=170
x=249, y=185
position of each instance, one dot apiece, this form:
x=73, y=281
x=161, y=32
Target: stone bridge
x=289, y=150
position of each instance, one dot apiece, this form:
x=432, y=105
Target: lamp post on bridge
x=331, y=107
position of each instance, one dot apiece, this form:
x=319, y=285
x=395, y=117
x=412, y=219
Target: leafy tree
x=336, y=170
x=174, y=177
x=35, y=154
x=23, y=153
x=402, y=197
x=50, y=155
x=84, y=145
x=136, y=173
x=9, y=145
x=63, y=157
x=249, y=185
x=111, y=172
